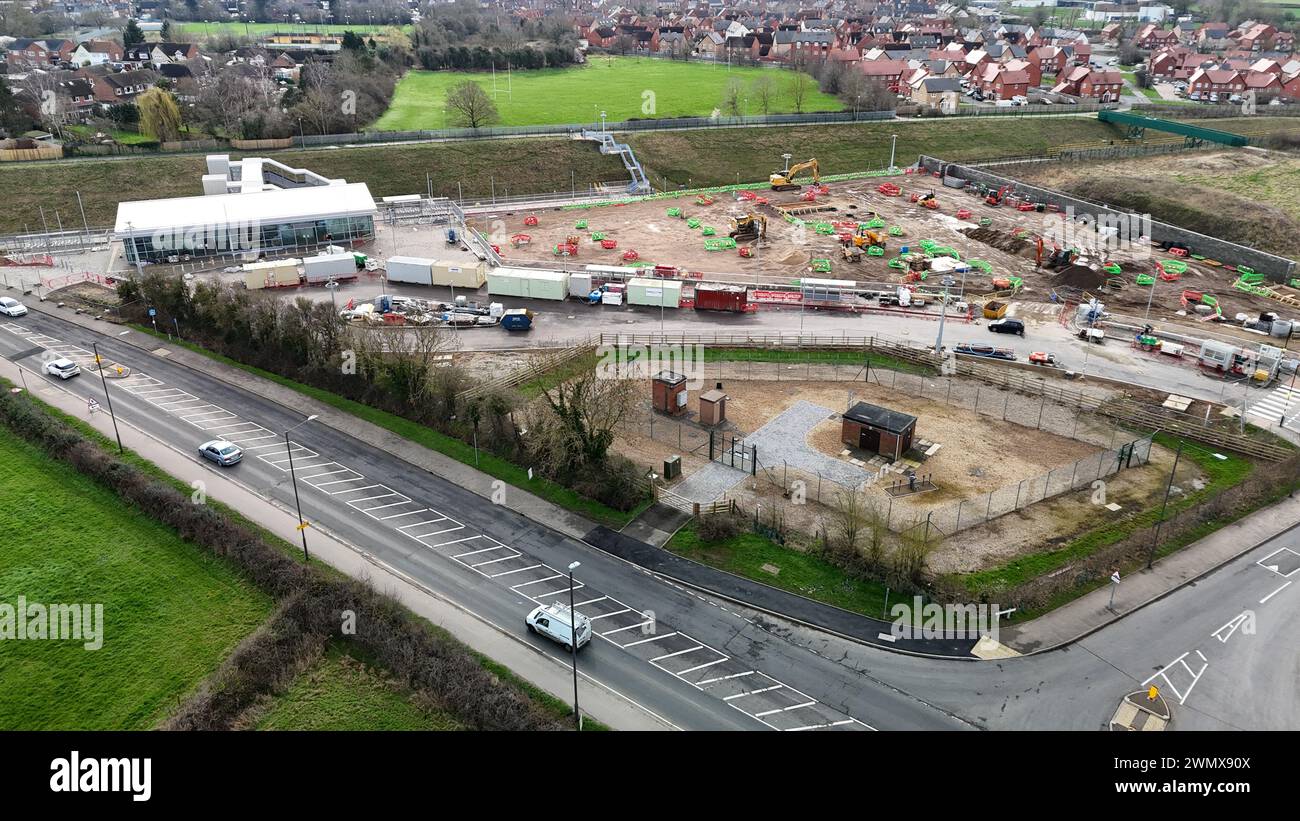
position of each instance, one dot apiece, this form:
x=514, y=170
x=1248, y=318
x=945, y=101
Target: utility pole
x=1151, y=554
x=943, y=313
x=107, y=399
x=573, y=646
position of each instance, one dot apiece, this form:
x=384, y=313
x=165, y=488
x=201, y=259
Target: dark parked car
x=1007, y=326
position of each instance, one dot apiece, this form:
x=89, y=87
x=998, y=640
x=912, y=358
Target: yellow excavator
x=749, y=227
x=784, y=180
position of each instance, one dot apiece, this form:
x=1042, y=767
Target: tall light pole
x=573, y=645
x=107, y=399
x=302, y=525
x=332, y=286
x=943, y=313
x=892, y=146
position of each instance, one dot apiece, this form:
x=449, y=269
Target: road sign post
x=1114, y=583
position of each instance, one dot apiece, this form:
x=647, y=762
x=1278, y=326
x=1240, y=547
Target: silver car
x=222, y=452
x=62, y=368
x=12, y=307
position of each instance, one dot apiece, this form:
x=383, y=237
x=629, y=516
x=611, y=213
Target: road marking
x=753, y=692
x=705, y=664
x=520, y=570
x=678, y=653
x=607, y=615
x=534, y=581
x=608, y=633
x=1275, y=592
x=652, y=638
x=785, y=709
x=453, y=541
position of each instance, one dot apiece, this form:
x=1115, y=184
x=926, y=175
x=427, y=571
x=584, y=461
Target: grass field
x=262, y=29
x=171, y=612
x=623, y=87
x=342, y=691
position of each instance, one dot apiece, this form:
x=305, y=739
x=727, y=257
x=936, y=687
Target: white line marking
x=608, y=633
x=534, y=581
x=678, y=653
x=702, y=666
x=753, y=692
x=615, y=613
x=1275, y=592
x=520, y=570
x=786, y=709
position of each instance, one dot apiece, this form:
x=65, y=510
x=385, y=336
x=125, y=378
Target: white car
x=62, y=368
x=12, y=307
x=554, y=622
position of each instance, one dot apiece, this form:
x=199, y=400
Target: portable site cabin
x=329, y=266
x=528, y=283
x=273, y=274
x=416, y=270
x=878, y=430
x=580, y=285
x=460, y=274
x=658, y=292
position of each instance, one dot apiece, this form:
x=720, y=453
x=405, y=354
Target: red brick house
x=123, y=86
x=1029, y=67
x=1258, y=37
x=1000, y=82
x=1151, y=36
x=26, y=53
x=887, y=73
x=1291, y=86
x=1050, y=59
x=1081, y=81
x=1216, y=80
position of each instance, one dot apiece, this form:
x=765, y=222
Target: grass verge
x=805, y=575
x=820, y=357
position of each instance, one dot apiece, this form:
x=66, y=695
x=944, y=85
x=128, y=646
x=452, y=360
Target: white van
x=554, y=622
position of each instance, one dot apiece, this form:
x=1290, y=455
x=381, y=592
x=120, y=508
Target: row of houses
x=1251, y=37
x=1267, y=76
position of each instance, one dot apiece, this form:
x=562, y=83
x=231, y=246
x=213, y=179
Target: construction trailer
x=415, y=270
x=665, y=293
x=457, y=274
x=528, y=283
x=278, y=273
x=319, y=269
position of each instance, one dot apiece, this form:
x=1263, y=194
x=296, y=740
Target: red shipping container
x=720, y=298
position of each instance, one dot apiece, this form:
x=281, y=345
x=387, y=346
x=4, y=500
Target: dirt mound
x=1079, y=276
x=999, y=240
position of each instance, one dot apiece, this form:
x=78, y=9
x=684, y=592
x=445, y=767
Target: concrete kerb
x=398, y=576
x=582, y=538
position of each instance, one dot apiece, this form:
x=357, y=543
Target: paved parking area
x=767, y=700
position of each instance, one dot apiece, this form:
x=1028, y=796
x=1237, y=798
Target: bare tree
x=908, y=561
x=800, y=86
x=576, y=427
x=763, y=90
x=469, y=105
x=731, y=97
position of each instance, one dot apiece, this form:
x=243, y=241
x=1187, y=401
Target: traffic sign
x=1114, y=577
x=153, y=312
x=302, y=526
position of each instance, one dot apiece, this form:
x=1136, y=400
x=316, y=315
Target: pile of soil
x=1000, y=240
x=1079, y=277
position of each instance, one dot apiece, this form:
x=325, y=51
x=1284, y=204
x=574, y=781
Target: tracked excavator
x=748, y=227
x=784, y=180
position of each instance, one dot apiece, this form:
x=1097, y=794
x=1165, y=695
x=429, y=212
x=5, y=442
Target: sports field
x=623, y=87
x=171, y=612
x=262, y=29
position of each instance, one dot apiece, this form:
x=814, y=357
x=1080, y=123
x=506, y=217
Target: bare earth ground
x=980, y=453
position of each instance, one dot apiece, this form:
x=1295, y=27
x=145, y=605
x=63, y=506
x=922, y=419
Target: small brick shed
x=879, y=430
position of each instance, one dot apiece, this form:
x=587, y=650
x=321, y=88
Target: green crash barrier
x=1112, y=268
x=674, y=212
x=719, y=244
x=985, y=222
x=1197, y=257
x=1148, y=341
x=875, y=251
x=981, y=265
x=824, y=228
x=1017, y=283
x=1145, y=279
x=895, y=231
x=821, y=266
x=875, y=223
x=580, y=224
x=1174, y=266
x=928, y=244
x=945, y=251
x=1295, y=283
x=1244, y=271
x=709, y=231
x=693, y=222
x=897, y=262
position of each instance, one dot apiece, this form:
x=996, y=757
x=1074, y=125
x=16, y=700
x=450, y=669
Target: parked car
x=554, y=622
x=1236, y=98
x=1214, y=96
x=1195, y=96
x=1019, y=99
x=222, y=452
x=62, y=368
x=1007, y=326
x=12, y=307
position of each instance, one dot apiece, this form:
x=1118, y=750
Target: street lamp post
x=107, y=399
x=892, y=146
x=332, y=286
x=293, y=476
x=948, y=282
x=573, y=645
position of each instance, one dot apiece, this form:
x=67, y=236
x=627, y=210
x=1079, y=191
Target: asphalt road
x=697, y=662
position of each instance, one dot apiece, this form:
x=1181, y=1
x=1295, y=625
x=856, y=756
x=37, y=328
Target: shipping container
x=460, y=274
x=517, y=319
x=528, y=283
x=721, y=298
x=656, y=292
x=334, y=266
x=416, y=270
